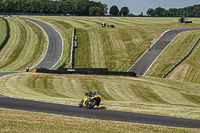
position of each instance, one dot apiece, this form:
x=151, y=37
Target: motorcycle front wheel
x=80, y=104
x=91, y=103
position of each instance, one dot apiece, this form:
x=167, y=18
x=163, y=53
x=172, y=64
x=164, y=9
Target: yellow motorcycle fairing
x=87, y=98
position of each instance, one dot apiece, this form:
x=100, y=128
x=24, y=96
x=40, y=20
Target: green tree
x=105, y=9
x=65, y=6
x=173, y=12
x=159, y=11
x=114, y=10
x=150, y=12
x=95, y=11
x=124, y=11
x=79, y=7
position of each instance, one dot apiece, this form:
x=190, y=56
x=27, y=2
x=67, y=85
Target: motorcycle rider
x=88, y=94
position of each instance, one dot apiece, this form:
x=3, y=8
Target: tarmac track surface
x=102, y=114
x=55, y=44
x=142, y=65
x=30, y=105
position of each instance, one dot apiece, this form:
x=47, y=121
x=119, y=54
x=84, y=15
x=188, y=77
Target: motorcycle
x=90, y=100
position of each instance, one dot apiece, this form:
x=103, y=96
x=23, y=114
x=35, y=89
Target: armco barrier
x=73, y=48
x=45, y=70
x=7, y=36
x=61, y=66
x=167, y=73
x=84, y=69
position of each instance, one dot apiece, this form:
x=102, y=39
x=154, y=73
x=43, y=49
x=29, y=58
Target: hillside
x=189, y=69
x=115, y=48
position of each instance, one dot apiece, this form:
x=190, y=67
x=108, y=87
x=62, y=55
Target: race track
x=54, y=50
x=55, y=44
x=142, y=65
x=102, y=114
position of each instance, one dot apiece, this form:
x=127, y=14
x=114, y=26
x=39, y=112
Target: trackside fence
x=167, y=73
x=73, y=48
x=8, y=34
x=86, y=71
x=61, y=66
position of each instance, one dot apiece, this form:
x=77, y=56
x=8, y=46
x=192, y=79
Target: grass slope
x=3, y=30
x=143, y=95
x=24, y=121
x=115, y=48
x=189, y=70
x=26, y=46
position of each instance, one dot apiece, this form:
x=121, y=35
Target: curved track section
x=142, y=65
x=55, y=45
x=52, y=55
x=54, y=48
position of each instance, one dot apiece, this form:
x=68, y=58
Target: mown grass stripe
x=193, y=98
x=19, y=48
x=26, y=46
x=83, y=52
x=148, y=95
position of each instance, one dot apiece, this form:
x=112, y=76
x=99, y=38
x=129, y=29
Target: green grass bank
x=26, y=46
x=3, y=30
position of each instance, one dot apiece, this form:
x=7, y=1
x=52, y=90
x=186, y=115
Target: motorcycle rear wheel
x=91, y=103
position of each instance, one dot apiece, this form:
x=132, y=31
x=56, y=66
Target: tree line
x=190, y=11
x=114, y=10
x=76, y=7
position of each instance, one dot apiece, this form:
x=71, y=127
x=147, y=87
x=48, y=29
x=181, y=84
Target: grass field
x=26, y=46
x=115, y=48
x=23, y=121
x=143, y=95
x=3, y=30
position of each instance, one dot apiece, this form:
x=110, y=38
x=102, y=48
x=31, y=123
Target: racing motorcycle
x=90, y=100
